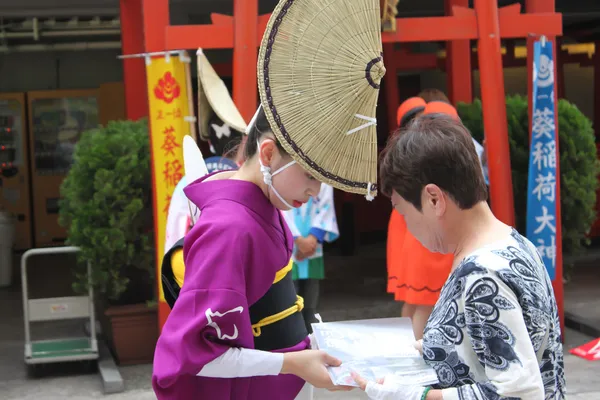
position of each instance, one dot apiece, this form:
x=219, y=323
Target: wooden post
x=245, y=53
x=559, y=61
x=134, y=71
x=155, y=17
x=459, y=75
x=548, y=6
x=392, y=96
x=494, y=110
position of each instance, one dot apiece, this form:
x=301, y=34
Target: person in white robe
x=312, y=224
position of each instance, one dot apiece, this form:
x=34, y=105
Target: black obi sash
x=277, y=321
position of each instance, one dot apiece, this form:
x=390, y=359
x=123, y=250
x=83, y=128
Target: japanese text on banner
x=168, y=107
x=541, y=196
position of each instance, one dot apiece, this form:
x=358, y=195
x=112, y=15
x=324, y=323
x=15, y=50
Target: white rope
x=286, y=166
x=183, y=57
x=369, y=196
x=288, y=205
x=143, y=55
x=370, y=122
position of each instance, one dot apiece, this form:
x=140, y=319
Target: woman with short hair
x=415, y=274
x=495, y=331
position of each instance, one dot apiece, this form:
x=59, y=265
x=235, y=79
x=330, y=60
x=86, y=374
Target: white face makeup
x=295, y=186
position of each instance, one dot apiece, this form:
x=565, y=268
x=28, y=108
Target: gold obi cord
x=271, y=319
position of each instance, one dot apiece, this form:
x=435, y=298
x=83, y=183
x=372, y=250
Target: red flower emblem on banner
x=167, y=88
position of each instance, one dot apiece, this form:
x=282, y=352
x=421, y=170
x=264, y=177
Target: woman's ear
x=266, y=151
x=434, y=196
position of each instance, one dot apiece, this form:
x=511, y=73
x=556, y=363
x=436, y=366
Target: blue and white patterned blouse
x=495, y=332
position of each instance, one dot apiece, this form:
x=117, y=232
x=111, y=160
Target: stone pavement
x=345, y=299
x=583, y=382
x=583, y=377
x=582, y=303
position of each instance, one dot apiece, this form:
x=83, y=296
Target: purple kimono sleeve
x=203, y=325
x=210, y=315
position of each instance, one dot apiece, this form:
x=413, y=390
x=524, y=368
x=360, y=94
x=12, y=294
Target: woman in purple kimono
x=236, y=258
x=236, y=329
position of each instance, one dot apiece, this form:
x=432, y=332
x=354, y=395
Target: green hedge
x=579, y=165
x=107, y=208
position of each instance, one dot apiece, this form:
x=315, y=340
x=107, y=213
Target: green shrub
x=107, y=208
x=579, y=166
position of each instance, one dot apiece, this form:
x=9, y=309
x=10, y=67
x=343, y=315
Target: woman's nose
x=314, y=189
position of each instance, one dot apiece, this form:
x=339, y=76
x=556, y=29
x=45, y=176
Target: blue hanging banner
x=541, y=188
x=219, y=164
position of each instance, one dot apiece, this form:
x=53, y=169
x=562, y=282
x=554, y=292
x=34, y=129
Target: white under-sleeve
x=243, y=363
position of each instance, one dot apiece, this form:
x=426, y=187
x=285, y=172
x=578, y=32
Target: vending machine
x=56, y=121
x=111, y=102
x=14, y=167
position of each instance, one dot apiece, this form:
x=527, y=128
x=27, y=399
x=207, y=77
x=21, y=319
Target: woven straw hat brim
x=214, y=96
x=319, y=69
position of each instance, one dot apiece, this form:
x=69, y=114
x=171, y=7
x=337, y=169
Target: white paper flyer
x=373, y=348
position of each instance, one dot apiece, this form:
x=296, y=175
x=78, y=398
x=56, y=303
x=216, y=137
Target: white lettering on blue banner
x=219, y=164
x=541, y=188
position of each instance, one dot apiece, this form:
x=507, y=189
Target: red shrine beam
x=134, y=71
x=459, y=73
x=406, y=61
x=461, y=26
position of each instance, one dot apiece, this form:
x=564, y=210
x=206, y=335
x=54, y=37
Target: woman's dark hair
x=436, y=149
x=261, y=128
x=431, y=94
x=410, y=116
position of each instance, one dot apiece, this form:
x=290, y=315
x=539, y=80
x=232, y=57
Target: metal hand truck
x=55, y=309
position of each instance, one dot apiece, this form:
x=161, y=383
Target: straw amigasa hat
x=217, y=114
x=319, y=70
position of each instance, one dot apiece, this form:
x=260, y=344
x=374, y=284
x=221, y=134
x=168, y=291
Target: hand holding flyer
x=373, y=349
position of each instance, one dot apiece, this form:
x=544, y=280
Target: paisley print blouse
x=495, y=332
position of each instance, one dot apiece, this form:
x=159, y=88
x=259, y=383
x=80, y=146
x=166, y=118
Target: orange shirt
x=415, y=274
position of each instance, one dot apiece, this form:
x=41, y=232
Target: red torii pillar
x=493, y=98
x=134, y=72
x=390, y=81
x=245, y=53
x=459, y=74
x=459, y=81
x=486, y=23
